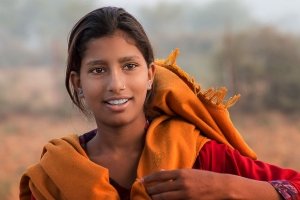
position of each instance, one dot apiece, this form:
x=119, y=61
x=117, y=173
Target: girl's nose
x=116, y=81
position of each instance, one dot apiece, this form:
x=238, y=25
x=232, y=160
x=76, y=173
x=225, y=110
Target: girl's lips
x=117, y=101
x=117, y=105
x=114, y=98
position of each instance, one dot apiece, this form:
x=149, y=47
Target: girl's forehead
x=117, y=34
x=111, y=47
x=110, y=43
x=114, y=43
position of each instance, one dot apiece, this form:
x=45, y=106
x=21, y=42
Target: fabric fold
x=178, y=94
x=65, y=172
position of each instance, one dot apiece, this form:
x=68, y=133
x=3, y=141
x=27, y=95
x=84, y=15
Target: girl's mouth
x=117, y=101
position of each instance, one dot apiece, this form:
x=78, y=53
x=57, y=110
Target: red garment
x=220, y=158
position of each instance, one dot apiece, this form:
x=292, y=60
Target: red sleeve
x=220, y=158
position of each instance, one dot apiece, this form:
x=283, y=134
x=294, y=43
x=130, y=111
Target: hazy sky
x=283, y=13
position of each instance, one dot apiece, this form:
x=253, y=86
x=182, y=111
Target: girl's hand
x=185, y=184
x=201, y=184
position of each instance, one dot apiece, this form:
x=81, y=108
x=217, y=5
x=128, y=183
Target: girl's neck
x=119, y=140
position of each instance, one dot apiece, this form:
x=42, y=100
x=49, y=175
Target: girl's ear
x=75, y=80
x=151, y=72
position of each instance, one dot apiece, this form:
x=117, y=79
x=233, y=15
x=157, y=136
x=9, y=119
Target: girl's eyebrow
x=121, y=60
x=95, y=62
x=128, y=58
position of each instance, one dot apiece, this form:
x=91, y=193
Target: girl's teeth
x=118, y=101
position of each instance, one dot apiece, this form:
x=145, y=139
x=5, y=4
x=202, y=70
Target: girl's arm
x=224, y=174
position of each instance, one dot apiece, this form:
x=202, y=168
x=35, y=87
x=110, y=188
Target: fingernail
x=141, y=180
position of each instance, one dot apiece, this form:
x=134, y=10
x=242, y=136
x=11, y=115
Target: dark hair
x=98, y=23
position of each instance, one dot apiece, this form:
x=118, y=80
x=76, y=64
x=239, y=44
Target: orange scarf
x=183, y=119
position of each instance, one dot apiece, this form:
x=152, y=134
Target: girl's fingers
x=162, y=187
x=172, y=195
x=160, y=176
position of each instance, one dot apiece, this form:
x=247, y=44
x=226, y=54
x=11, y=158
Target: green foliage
x=180, y=18
x=263, y=65
x=35, y=32
x=195, y=30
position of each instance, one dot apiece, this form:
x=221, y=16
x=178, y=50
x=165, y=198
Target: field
x=25, y=126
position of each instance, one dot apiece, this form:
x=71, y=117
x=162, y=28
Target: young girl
x=158, y=135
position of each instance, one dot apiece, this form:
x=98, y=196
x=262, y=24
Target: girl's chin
x=115, y=122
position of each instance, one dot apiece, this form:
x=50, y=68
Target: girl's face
x=114, y=78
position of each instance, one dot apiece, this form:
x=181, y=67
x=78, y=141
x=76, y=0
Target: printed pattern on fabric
x=285, y=189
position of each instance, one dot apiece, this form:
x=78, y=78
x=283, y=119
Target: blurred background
x=250, y=46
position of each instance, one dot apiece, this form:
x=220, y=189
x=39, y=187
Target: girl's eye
x=129, y=66
x=98, y=70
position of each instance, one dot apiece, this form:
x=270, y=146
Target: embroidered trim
x=285, y=189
